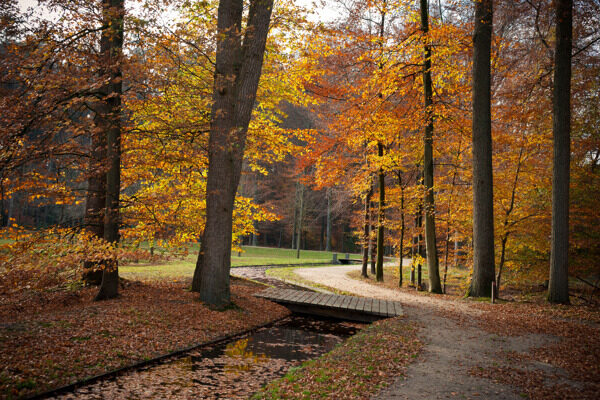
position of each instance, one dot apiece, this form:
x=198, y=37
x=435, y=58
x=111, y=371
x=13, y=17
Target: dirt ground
x=463, y=357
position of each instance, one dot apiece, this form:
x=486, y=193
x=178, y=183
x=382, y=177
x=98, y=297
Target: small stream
x=231, y=370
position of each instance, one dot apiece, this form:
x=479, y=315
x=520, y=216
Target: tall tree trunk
x=402, y=229
x=295, y=225
x=413, y=254
x=455, y=250
x=380, y=219
x=95, y=203
x=366, y=230
x=300, y=216
x=558, y=288
x=501, y=265
x=111, y=47
x=328, y=236
x=381, y=176
x=322, y=236
x=372, y=243
x=483, y=205
x=237, y=72
x=446, y=255
x=420, y=247
x=430, y=239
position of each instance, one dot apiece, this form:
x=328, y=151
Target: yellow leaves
x=165, y=157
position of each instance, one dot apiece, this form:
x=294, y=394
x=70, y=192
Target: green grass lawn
x=182, y=269
x=288, y=274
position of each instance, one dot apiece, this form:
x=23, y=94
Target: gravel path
x=451, y=349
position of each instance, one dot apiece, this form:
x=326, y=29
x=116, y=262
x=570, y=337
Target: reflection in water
x=241, y=358
x=233, y=370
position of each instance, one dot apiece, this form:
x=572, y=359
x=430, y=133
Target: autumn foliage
x=359, y=76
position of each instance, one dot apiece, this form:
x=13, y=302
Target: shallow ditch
x=229, y=370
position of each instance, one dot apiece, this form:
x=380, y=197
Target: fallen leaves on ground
x=575, y=354
x=49, y=339
x=354, y=370
x=234, y=370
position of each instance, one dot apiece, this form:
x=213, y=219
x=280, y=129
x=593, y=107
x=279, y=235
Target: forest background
x=338, y=123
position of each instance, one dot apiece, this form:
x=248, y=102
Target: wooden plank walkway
x=332, y=305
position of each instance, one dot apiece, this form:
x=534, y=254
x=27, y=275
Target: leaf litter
x=51, y=339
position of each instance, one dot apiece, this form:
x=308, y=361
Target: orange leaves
x=55, y=257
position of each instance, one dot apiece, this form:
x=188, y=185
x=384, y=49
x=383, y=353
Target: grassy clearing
x=288, y=274
x=173, y=271
x=356, y=369
x=184, y=269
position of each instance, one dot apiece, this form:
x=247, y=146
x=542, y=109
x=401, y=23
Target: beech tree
x=558, y=289
x=109, y=120
x=237, y=72
x=430, y=238
x=483, y=205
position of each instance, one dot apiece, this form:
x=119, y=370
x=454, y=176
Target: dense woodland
x=452, y=132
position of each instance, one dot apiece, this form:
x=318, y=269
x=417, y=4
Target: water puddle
x=234, y=370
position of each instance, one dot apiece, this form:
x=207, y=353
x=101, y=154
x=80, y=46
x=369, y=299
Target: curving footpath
x=451, y=349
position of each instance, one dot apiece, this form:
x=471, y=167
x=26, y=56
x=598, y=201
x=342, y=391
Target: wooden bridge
x=352, y=308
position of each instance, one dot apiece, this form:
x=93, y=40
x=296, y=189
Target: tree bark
x=372, y=243
x=558, y=287
x=447, y=244
x=237, y=72
x=413, y=254
x=380, y=219
x=420, y=247
x=483, y=207
x=402, y=229
x=95, y=203
x=111, y=47
x=366, y=231
x=300, y=216
x=295, y=224
x=503, y=242
x=328, y=235
x=322, y=236
x=430, y=238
